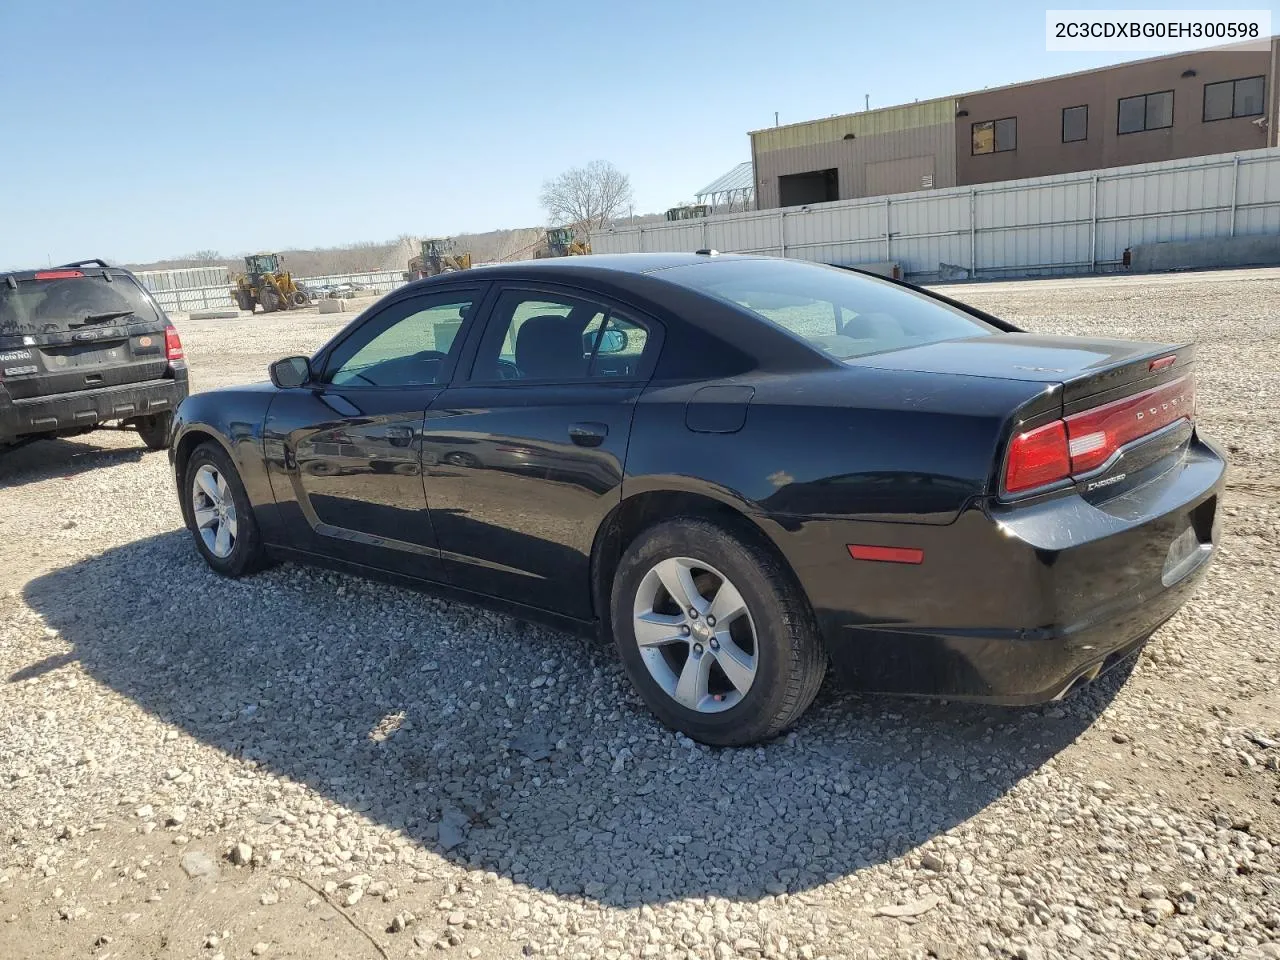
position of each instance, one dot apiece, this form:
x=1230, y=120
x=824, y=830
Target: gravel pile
x=305, y=764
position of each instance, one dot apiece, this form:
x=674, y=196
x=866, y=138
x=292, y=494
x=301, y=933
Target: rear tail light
x=1085, y=441
x=1037, y=457
x=58, y=274
x=173, y=344
x=1098, y=433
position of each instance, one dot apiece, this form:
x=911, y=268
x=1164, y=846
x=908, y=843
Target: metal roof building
x=735, y=190
x=1196, y=103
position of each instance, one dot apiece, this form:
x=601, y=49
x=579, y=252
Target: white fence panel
x=1070, y=223
x=218, y=296
x=929, y=229
x=195, y=298
x=183, y=278
x=756, y=232
x=375, y=281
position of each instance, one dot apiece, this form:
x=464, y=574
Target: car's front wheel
x=713, y=633
x=219, y=514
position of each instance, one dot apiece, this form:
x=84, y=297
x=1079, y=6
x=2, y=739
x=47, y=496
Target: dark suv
x=80, y=346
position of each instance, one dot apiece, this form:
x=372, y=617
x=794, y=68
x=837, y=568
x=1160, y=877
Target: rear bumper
x=85, y=409
x=1018, y=667
x=1015, y=606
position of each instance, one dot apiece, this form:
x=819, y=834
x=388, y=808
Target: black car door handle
x=588, y=433
x=400, y=436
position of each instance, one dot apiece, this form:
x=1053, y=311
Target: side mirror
x=613, y=341
x=290, y=372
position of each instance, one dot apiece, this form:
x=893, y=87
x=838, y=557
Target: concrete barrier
x=333, y=306
x=884, y=268
x=1205, y=254
x=214, y=315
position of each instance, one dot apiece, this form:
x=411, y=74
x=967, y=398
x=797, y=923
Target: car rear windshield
x=845, y=314
x=70, y=302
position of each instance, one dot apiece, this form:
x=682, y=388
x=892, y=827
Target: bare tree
x=586, y=197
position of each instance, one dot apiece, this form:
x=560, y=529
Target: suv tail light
x=1085, y=441
x=173, y=344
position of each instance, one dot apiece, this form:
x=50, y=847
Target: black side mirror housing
x=290, y=372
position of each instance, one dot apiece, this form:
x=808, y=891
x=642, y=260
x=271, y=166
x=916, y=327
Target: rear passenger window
x=619, y=349
x=544, y=338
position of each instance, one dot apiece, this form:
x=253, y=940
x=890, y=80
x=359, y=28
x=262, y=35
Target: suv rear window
x=54, y=306
x=843, y=313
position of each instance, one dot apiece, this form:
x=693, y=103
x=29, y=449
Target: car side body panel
x=1007, y=605
x=924, y=445
x=1010, y=603
x=515, y=501
x=988, y=599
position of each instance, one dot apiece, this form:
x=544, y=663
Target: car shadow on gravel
x=42, y=459
x=527, y=743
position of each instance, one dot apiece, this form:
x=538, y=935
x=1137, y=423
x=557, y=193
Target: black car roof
x=704, y=336
x=614, y=262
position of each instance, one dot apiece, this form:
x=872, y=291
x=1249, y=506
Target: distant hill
x=515, y=244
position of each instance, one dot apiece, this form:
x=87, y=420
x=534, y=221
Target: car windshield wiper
x=104, y=317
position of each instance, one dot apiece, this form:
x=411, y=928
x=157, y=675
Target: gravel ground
x=305, y=764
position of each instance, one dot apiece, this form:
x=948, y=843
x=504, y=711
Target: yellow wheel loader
x=265, y=283
x=562, y=242
x=435, y=258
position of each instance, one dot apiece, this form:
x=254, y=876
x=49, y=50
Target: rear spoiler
x=11, y=278
x=996, y=322
x=95, y=262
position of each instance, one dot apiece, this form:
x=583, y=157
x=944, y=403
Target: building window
x=1075, y=124
x=995, y=136
x=1233, y=98
x=1151, y=111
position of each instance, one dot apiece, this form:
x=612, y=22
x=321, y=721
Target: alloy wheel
x=695, y=634
x=214, y=510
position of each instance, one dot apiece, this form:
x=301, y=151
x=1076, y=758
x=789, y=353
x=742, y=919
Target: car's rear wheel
x=219, y=515
x=154, y=430
x=713, y=633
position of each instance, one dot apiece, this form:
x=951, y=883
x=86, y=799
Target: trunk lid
x=67, y=330
x=1085, y=367
x=1114, y=415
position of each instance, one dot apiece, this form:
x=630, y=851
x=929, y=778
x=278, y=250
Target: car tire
x=243, y=553
x=154, y=430
x=770, y=645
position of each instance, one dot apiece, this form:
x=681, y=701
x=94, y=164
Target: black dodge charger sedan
x=738, y=468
